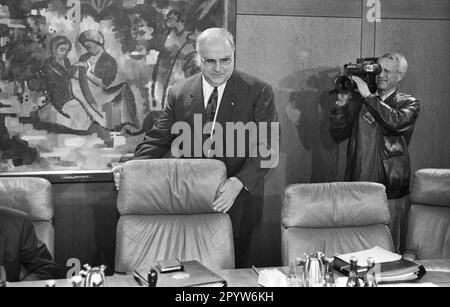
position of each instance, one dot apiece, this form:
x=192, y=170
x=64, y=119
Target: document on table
x=380, y=255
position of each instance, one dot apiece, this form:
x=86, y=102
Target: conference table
x=438, y=275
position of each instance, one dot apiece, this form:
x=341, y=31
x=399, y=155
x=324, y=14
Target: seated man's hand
x=228, y=193
x=116, y=173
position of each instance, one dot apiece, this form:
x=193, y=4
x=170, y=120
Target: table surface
x=438, y=274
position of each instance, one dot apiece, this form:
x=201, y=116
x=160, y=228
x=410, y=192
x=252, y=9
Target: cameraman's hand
x=343, y=99
x=116, y=172
x=363, y=88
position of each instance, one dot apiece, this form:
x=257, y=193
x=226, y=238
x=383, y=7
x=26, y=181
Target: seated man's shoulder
x=10, y=217
x=12, y=214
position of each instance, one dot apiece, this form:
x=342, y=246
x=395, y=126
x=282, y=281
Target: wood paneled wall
x=299, y=46
x=85, y=224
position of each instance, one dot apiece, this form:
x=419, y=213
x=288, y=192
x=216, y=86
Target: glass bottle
x=152, y=278
x=370, y=280
x=353, y=280
x=330, y=282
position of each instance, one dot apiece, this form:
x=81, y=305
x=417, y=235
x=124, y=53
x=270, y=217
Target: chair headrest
x=171, y=186
x=349, y=204
x=431, y=187
x=30, y=195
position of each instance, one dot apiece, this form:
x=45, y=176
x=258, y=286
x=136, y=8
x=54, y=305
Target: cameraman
x=379, y=127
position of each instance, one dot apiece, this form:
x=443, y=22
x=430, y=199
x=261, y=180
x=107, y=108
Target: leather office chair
x=166, y=213
x=34, y=197
x=429, y=217
x=334, y=218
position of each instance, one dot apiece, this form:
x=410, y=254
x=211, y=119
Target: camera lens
x=344, y=84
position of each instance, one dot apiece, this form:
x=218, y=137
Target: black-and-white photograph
x=224, y=143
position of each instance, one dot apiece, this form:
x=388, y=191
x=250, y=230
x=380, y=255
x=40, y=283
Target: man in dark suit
x=222, y=97
x=19, y=247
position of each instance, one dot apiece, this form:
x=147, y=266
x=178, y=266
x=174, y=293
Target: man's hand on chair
x=116, y=173
x=228, y=193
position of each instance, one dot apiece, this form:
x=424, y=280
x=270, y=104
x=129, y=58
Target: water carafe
x=95, y=277
x=314, y=272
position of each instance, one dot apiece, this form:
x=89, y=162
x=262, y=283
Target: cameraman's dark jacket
x=396, y=117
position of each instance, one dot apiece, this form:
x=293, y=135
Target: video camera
x=365, y=68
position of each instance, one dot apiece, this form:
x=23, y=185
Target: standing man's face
x=217, y=61
x=390, y=76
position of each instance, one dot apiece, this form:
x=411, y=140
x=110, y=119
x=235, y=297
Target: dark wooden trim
x=310, y=8
x=232, y=9
x=67, y=176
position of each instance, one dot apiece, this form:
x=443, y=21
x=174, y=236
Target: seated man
x=20, y=247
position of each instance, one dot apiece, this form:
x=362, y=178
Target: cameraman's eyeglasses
x=212, y=63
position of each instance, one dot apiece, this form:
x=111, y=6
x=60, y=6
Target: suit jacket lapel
x=197, y=105
x=229, y=100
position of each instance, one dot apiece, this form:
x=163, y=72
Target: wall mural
x=81, y=80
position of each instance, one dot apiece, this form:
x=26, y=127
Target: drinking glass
x=296, y=274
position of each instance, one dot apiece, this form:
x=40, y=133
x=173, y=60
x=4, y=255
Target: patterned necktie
x=212, y=105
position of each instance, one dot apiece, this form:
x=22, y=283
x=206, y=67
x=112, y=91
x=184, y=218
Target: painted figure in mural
x=180, y=43
x=114, y=105
x=62, y=107
x=178, y=53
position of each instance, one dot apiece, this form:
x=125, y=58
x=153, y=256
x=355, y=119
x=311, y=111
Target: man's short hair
x=214, y=32
x=402, y=64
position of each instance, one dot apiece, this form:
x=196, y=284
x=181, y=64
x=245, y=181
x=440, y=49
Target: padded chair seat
x=423, y=221
x=46, y=233
x=202, y=237
x=34, y=197
x=334, y=241
x=334, y=218
x=429, y=217
x=166, y=213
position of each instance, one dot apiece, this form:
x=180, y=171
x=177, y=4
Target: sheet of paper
x=379, y=254
x=341, y=282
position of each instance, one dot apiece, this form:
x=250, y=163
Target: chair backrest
x=166, y=212
x=334, y=218
x=34, y=197
x=429, y=218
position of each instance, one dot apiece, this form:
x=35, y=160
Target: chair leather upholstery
x=429, y=217
x=34, y=197
x=166, y=212
x=334, y=218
